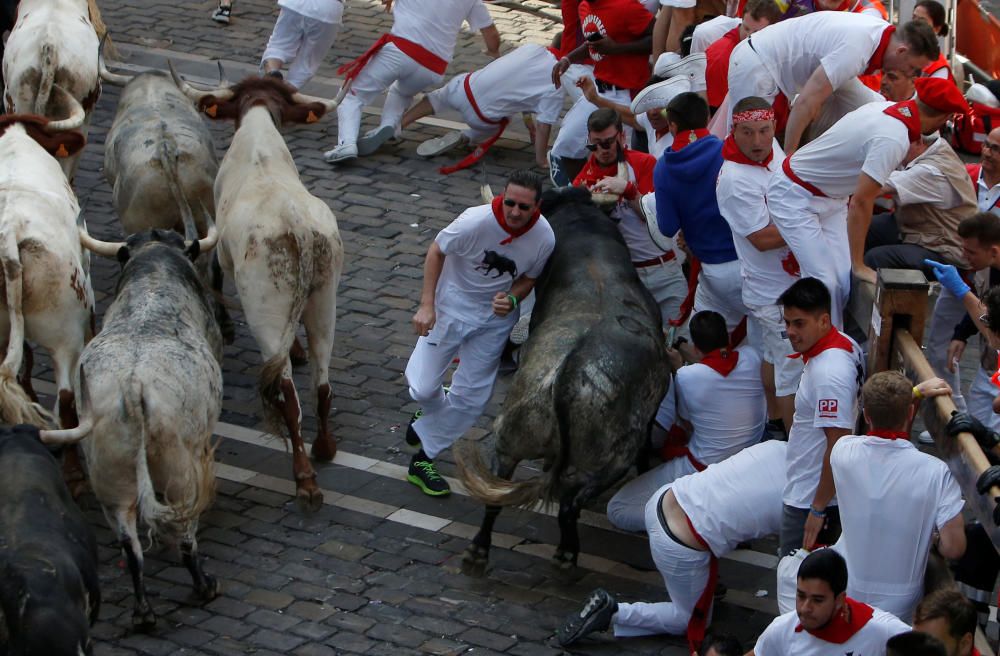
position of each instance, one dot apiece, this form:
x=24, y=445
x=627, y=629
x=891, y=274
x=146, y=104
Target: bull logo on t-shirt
x=493, y=261
x=592, y=26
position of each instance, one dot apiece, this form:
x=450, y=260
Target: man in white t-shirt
x=713, y=409
x=410, y=58
x=818, y=58
x=767, y=264
x=826, y=409
x=894, y=500
x=710, y=31
x=302, y=35
x=826, y=622
x=693, y=522
x=477, y=271
x=808, y=198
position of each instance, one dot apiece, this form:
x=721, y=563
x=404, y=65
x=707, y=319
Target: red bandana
x=731, y=152
x=833, y=339
x=686, y=137
x=721, y=361
x=908, y=113
x=995, y=378
x=791, y=265
x=513, y=232
x=839, y=629
x=592, y=172
x=875, y=63
x=889, y=434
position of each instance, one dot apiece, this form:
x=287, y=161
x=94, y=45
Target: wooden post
x=900, y=302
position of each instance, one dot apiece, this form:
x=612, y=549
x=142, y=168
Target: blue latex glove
x=949, y=278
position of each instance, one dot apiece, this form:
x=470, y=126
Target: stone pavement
x=376, y=570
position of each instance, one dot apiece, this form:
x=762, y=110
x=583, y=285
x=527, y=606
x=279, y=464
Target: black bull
x=49, y=591
x=591, y=376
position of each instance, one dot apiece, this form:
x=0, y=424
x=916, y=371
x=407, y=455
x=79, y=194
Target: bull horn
x=116, y=79
x=329, y=104
x=222, y=93
x=211, y=238
x=76, y=114
x=104, y=248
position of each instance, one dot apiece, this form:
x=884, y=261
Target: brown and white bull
x=53, y=42
x=282, y=248
x=45, y=280
x=150, y=395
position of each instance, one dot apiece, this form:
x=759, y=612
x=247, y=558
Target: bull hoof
x=144, y=620
x=309, y=499
x=324, y=448
x=297, y=354
x=475, y=560
x=564, y=560
x=209, y=590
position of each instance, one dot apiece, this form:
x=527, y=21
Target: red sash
x=811, y=188
x=699, y=616
x=687, y=304
x=480, y=150
x=411, y=49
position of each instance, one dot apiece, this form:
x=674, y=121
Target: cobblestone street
x=377, y=569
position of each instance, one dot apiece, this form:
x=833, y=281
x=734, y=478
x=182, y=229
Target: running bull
x=591, y=376
x=283, y=250
x=49, y=594
x=150, y=394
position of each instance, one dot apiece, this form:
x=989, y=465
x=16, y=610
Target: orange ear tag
x=211, y=110
x=311, y=118
x=61, y=151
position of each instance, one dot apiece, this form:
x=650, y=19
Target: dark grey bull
x=592, y=374
x=49, y=593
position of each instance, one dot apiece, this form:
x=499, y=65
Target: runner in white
x=710, y=31
x=894, y=500
x=714, y=408
x=487, y=99
x=767, y=265
x=826, y=622
x=302, y=36
x=693, y=522
x=411, y=58
x=818, y=57
x=826, y=408
x=808, y=199
x=477, y=271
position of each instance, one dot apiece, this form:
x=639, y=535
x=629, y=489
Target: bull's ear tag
x=61, y=151
x=311, y=118
x=212, y=110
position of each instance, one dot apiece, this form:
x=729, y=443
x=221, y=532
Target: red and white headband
x=753, y=115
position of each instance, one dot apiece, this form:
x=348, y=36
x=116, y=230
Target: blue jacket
x=684, y=181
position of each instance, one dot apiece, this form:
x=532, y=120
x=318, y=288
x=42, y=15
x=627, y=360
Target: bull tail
x=46, y=78
x=16, y=407
x=70, y=436
x=489, y=488
x=157, y=516
x=168, y=160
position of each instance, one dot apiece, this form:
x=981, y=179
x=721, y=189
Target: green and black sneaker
x=424, y=475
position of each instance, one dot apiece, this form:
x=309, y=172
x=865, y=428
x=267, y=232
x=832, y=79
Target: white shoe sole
x=439, y=145
x=372, y=141
x=331, y=157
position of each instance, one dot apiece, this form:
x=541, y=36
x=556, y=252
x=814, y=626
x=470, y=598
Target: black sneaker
x=595, y=616
x=412, y=440
x=221, y=14
x=424, y=475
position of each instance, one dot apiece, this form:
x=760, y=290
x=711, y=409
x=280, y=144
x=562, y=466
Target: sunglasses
x=990, y=146
x=604, y=144
x=524, y=207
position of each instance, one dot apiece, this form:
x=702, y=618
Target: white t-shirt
x=740, y=194
x=657, y=146
x=781, y=639
x=711, y=31
x=737, y=499
x=641, y=246
x=520, y=81
x=477, y=265
x=919, y=182
x=842, y=43
x=727, y=412
x=892, y=497
x=827, y=398
x=325, y=11
x=435, y=24
x=865, y=141
x=988, y=198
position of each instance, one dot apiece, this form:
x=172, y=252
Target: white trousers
x=766, y=333
x=388, y=69
x=627, y=508
x=720, y=288
x=685, y=573
x=571, y=142
x=666, y=282
x=948, y=312
x=446, y=417
x=815, y=228
x=301, y=40
x=452, y=96
x=980, y=399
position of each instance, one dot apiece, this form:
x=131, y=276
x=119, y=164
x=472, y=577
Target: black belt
x=604, y=87
x=663, y=520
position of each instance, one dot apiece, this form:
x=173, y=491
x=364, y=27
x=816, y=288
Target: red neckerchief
x=839, y=629
x=731, y=152
x=686, y=137
x=593, y=172
x=908, y=113
x=875, y=63
x=995, y=378
x=889, y=434
x=502, y=220
x=833, y=339
x=721, y=361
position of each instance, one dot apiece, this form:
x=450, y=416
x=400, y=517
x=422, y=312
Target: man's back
x=435, y=25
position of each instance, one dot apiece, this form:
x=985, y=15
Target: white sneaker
x=925, y=438
x=341, y=153
x=374, y=139
x=693, y=67
x=439, y=145
x=222, y=14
